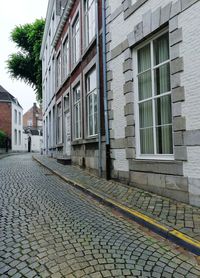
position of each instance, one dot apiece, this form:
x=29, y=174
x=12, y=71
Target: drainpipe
x=105, y=91
x=98, y=90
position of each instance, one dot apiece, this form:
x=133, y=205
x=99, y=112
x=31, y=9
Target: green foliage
x=2, y=139
x=25, y=64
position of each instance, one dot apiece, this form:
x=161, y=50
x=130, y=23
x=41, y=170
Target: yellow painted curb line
x=172, y=234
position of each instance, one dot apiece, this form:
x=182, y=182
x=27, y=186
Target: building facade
x=71, y=54
x=153, y=61
x=11, y=119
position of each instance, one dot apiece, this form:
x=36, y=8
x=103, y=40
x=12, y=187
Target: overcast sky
x=14, y=13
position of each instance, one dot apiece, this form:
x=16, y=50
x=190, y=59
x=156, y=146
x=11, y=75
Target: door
x=67, y=134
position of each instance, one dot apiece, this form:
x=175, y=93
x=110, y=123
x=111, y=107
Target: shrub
x=2, y=139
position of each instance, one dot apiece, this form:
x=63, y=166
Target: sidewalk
x=174, y=220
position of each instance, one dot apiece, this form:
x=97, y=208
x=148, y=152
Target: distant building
x=32, y=125
x=11, y=119
x=33, y=118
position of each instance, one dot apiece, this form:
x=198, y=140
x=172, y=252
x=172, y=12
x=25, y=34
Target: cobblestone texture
x=50, y=229
x=176, y=215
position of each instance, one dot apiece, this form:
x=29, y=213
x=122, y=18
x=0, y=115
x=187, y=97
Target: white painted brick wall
x=121, y=163
x=118, y=103
x=120, y=29
x=190, y=78
x=192, y=166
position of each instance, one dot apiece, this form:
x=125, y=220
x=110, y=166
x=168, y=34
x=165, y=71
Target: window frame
x=75, y=59
x=59, y=137
x=19, y=118
x=87, y=94
x=66, y=68
x=15, y=137
x=19, y=137
x=58, y=62
x=139, y=155
x=75, y=104
x=15, y=116
x=87, y=40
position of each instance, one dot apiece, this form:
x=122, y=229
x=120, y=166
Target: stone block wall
x=129, y=24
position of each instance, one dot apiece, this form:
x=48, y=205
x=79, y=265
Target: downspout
x=105, y=91
x=98, y=91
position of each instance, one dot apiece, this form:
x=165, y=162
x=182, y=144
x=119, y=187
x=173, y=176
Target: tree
x=25, y=64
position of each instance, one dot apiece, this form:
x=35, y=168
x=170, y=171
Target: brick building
x=71, y=56
x=11, y=118
x=153, y=80
x=33, y=117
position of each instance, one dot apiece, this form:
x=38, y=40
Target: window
x=20, y=138
x=15, y=134
x=66, y=58
x=91, y=103
x=58, y=70
x=30, y=122
x=76, y=41
x=20, y=118
x=15, y=116
x=154, y=98
x=77, y=112
x=89, y=21
x=59, y=123
x=66, y=103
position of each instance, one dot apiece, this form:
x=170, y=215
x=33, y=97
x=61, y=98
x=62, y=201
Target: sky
x=13, y=13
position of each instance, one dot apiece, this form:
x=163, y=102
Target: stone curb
x=171, y=234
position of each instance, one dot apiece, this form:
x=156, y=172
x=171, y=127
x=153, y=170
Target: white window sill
x=156, y=157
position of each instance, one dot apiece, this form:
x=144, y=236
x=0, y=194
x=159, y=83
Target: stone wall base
x=178, y=188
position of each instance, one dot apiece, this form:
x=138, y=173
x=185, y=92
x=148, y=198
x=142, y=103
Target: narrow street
x=50, y=229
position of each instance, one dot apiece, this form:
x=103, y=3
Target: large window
x=58, y=70
x=15, y=115
x=66, y=57
x=20, y=118
x=91, y=103
x=59, y=123
x=89, y=21
x=77, y=112
x=154, y=97
x=15, y=136
x=76, y=41
x=20, y=137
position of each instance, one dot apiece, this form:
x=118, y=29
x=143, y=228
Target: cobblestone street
x=50, y=229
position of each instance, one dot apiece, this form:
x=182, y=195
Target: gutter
x=105, y=91
x=98, y=90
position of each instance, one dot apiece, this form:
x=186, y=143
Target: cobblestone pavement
x=173, y=214
x=50, y=229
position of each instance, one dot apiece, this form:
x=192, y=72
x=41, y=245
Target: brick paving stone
x=50, y=229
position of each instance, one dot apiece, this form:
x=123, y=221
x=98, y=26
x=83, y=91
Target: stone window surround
x=164, y=16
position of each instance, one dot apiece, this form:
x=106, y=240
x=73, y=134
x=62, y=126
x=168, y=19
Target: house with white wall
x=153, y=82
x=11, y=119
